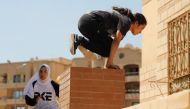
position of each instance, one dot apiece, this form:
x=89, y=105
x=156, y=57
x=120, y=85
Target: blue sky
x=30, y=28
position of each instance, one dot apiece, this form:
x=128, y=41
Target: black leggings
x=96, y=38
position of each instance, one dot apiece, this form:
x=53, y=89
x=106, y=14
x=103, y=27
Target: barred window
x=178, y=53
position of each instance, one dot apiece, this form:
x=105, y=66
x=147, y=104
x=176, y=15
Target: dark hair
x=140, y=18
x=42, y=66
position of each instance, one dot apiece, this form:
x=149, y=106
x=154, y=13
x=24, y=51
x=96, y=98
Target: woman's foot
x=74, y=43
x=87, y=53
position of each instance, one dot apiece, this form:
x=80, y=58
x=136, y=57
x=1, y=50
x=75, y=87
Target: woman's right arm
x=114, y=47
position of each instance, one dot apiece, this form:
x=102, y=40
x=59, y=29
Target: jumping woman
x=102, y=31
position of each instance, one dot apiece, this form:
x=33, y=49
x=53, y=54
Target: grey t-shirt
x=113, y=21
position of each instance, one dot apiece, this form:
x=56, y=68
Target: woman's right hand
x=114, y=47
x=38, y=98
x=112, y=66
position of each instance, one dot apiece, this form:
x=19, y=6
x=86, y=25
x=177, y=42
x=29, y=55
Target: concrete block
x=179, y=100
x=159, y=104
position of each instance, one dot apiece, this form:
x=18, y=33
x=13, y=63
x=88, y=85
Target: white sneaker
x=74, y=43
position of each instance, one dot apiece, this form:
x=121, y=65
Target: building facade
x=165, y=74
x=14, y=76
x=165, y=48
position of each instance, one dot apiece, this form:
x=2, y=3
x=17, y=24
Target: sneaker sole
x=72, y=51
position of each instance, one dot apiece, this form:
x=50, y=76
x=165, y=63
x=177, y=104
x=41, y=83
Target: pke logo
x=46, y=96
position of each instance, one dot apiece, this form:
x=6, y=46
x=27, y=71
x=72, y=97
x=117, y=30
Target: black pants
x=96, y=38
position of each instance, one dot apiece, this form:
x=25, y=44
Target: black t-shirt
x=113, y=21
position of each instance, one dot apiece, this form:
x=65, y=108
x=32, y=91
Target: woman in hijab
x=41, y=91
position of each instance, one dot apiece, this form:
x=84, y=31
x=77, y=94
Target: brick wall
x=64, y=91
x=92, y=88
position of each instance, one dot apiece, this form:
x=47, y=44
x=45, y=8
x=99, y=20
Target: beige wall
x=81, y=62
x=149, y=50
x=132, y=55
x=154, y=49
x=149, y=42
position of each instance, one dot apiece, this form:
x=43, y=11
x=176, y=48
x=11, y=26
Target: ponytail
x=134, y=17
x=125, y=11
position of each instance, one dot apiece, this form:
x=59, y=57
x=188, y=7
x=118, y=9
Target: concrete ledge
x=179, y=100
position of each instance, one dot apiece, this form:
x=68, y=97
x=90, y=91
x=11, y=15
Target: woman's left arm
x=56, y=87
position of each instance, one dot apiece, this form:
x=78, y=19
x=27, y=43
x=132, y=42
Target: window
x=178, y=53
x=4, y=76
x=135, y=69
x=18, y=94
x=134, y=103
x=131, y=69
x=121, y=55
x=132, y=87
x=24, y=78
x=17, y=78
